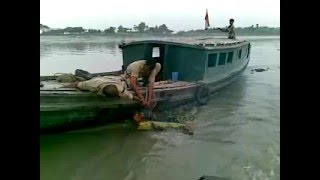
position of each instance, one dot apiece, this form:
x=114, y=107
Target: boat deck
x=53, y=85
x=206, y=43
x=54, y=97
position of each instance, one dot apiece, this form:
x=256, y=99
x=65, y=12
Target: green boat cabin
x=193, y=60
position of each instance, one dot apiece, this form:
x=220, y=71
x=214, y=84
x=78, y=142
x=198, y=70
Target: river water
x=237, y=133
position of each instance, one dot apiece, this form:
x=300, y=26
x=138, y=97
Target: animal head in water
x=145, y=115
x=137, y=117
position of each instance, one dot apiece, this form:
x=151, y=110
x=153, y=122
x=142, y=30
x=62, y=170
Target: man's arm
x=135, y=88
x=223, y=30
x=151, y=83
x=129, y=95
x=137, y=98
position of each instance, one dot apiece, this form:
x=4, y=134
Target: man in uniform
x=230, y=30
x=146, y=69
x=110, y=86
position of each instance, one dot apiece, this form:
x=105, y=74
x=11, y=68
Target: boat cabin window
x=248, y=51
x=212, y=60
x=155, y=52
x=222, y=59
x=230, y=57
x=239, y=54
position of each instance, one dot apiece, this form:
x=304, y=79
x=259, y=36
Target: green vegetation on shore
x=143, y=29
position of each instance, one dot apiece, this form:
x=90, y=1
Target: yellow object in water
x=155, y=125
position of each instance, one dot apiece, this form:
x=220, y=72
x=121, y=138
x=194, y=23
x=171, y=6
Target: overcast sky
x=176, y=14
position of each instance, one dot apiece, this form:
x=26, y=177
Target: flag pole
x=207, y=23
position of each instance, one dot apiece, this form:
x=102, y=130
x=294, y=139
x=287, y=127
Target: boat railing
x=113, y=73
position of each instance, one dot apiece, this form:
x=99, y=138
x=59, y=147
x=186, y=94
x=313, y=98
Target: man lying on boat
x=230, y=30
x=109, y=86
x=146, y=69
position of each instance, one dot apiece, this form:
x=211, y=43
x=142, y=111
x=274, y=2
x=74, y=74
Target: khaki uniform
x=97, y=84
x=135, y=70
x=231, y=32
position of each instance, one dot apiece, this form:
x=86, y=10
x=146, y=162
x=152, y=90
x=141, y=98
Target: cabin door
x=158, y=53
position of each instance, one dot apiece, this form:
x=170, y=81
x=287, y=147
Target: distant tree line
x=264, y=30
x=44, y=26
x=142, y=28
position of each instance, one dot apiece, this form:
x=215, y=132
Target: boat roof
x=203, y=43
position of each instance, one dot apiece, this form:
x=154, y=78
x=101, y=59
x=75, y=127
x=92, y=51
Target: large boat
x=203, y=66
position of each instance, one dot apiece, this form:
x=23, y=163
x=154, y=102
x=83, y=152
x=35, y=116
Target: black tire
x=203, y=94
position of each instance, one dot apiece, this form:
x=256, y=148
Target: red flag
x=207, y=24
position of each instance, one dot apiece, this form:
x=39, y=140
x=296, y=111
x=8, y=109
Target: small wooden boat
x=203, y=67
